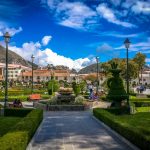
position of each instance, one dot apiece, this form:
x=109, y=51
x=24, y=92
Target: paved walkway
x=74, y=131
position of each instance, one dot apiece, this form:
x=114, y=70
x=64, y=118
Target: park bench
x=14, y=106
x=34, y=97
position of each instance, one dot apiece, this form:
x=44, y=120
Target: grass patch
x=136, y=128
x=6, y=123
x=18, y=137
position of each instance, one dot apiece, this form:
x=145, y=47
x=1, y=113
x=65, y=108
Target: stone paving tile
x=74, y=131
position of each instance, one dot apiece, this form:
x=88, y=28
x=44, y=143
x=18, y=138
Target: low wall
x=40, y=105
x=65, y=107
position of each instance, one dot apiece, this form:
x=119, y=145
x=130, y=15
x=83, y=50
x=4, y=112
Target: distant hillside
x=89, y=69
x=13, y=58
x=93, y=68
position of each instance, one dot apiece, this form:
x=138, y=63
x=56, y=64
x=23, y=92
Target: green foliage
x=53, y=86
x=116, y=91
x=143, y=109
x=139, y=59
x=17, y=112
x=6, y=123
x=79, y=100
x=12, y=98
x=76, y=88
x=82, y=85
x=148, y=96
x=133, y=127
x=19, y=136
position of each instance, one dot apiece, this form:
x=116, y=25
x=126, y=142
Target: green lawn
x=6, y=123
x=135, y=128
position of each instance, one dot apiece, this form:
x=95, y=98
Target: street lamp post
x=97, y=58
x=32, y=57
x=7, y=39
x=127, y=45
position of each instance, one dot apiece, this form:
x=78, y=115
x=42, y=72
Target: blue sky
x=73, y=32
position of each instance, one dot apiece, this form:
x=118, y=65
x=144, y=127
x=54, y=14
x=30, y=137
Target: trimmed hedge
x=141, y=138
x=12, y=98
x=17, y=112
x=142, y=109
x=20, y=135
x=140, y=99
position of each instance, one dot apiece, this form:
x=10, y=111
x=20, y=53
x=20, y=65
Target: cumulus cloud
x=141, y=7
x=12, y=31
x=72, y=14
x=46, y=40
x=78, y=15
x=48, y=56
x=109, y=15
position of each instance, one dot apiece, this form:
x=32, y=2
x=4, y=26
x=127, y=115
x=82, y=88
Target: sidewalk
x=74, y=131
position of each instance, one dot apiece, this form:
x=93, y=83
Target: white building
x=145, y=78
x=14, y=71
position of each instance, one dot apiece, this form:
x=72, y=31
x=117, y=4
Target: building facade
x=14, y=71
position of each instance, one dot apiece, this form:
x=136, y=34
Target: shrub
x=45, y=96
x=79, y=100
x=12, y=98
x=19, y=136
x=140, y=137
x=53, y=86
x=116, y=91
x=53, y=100
x=17, y=112
x=103, y=98
x=148, y=96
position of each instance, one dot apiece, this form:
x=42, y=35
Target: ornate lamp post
x=7, y=39
x=127, y=45
x=97, y=60
x=32, y=57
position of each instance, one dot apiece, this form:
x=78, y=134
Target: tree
x=116, y=91
x=76, y=88
x=82, y=85
x=53, y=86
x=139, y=59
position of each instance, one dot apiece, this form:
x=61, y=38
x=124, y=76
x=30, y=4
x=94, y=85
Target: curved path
x=74, y=131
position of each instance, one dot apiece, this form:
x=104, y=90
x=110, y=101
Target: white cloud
x=141, y=7
x=72, y=14
x=104, y=48
x=46, y=40
x=116, y=2
x=12, y=31
x=121, y=35
x=44, y=56
x=140, y=46
x=109, y=15
x=147, y=60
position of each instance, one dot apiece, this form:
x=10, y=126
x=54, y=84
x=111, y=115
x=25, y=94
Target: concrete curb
x=117, y=134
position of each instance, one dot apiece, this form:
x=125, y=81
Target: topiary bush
x=53, y=86
x=116, y=91
x=76, y=88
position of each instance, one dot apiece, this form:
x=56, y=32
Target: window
x=56, y=78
